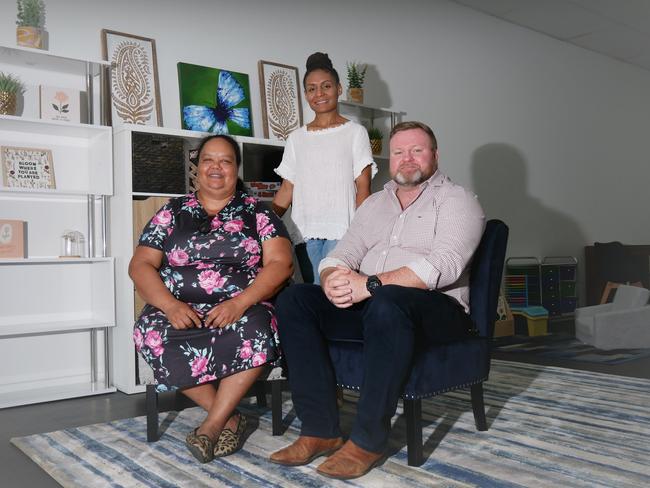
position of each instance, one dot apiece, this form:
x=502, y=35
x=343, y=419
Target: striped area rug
x=548, y=427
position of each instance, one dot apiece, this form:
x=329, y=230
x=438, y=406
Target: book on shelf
x=13, y=238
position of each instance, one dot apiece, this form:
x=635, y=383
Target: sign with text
x=26, y=167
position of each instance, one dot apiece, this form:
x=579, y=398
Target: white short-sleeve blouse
x=322, y=165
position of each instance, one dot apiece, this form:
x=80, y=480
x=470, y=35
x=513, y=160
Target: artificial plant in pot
x=10, y=88
x=375, y=136
x=31, y=23
x=356, y=75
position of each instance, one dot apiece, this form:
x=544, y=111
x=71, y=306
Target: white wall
x=551, y=137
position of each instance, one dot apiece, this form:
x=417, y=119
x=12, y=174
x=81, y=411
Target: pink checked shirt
x=435, y=236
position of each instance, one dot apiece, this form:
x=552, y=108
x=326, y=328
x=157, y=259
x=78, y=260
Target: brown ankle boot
x=305, y=449
x=349, y=462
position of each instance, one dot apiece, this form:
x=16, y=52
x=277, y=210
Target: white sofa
x=622, y=324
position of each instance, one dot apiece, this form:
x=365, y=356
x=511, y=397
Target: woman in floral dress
x=206, y=263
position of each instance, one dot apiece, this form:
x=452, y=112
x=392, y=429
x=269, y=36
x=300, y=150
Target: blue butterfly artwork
x=228, y=108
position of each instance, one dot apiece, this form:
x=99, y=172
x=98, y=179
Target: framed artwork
x=281, y=104
x=214, y=100
x=60, y=103
x=27, y=167
x=13, y=238
x=134, y=89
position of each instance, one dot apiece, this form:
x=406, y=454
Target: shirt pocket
x=419, y=231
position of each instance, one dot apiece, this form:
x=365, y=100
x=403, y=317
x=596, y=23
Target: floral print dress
x=207, y=260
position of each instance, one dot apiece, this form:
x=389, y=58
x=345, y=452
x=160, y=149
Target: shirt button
x=384, y=252
x=401, y=216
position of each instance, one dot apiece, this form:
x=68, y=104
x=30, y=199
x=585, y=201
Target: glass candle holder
x=73, y=244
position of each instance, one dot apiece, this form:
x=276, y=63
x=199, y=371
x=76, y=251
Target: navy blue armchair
x=436, y=369
x=444, y=367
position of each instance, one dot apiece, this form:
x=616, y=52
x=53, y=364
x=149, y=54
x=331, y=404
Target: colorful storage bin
x=536, y=318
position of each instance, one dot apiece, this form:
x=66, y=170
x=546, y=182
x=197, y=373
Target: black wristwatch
x=373, y=284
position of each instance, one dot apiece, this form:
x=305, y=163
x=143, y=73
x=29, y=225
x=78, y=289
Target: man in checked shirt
x=399, y=274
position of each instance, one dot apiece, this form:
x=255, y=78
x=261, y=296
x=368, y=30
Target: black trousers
x=389, y=324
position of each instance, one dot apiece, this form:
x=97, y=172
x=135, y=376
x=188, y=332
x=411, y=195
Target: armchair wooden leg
x=276, y=406
x=151, y=405
x=478, y=406
x=413, y=412
x=260, y=393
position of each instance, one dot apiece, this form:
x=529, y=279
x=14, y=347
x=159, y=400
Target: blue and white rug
x=548, y=427
x=562, y=346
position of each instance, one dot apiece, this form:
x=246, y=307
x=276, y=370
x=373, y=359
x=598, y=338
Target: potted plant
x=375, y=136
x=10, y=88
x=31, y=23
x=356, y=74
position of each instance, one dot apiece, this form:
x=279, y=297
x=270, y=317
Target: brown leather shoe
x=349, y=462
x=305, y=449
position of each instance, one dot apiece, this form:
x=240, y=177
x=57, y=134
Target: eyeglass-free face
x=321, y=91
x=217, y=168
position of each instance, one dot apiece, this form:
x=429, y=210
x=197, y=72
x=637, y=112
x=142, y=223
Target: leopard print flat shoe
x=230, y=442
x=201, y=446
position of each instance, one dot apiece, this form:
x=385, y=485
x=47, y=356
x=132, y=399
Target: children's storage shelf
x=559, y=290
x=550, y=284
x=522, y=282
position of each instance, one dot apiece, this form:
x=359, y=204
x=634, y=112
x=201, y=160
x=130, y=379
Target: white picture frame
x=134, y=87
x=27, y=167
x=57, y=103
x=280, y=96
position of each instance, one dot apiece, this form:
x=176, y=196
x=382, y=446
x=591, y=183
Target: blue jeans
x=390, y=323
x=309, y=256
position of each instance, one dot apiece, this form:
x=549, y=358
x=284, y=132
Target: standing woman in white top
x=326, y=169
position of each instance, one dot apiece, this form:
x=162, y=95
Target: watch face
x=372, y=284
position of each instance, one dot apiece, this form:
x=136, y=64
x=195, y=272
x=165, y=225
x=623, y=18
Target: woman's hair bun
x=319, y=61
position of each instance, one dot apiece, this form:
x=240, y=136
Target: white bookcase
x=382, y=118
x=56, y=312
x=129, y=372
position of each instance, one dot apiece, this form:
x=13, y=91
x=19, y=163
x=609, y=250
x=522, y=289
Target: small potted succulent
x=31, y=23
x=356, y=75
x=375, y=136
x=10, y=88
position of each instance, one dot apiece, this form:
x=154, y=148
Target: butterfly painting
x=214, y=100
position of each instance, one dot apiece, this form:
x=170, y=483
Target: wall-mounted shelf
x=371, y=113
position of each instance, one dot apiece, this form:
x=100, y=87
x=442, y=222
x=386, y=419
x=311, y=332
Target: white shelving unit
x=84, y=75
x=371, y=113
x=56, y=312
x=382, y=118
x=128, y=369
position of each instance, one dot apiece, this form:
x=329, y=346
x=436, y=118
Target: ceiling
x=619, y=29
